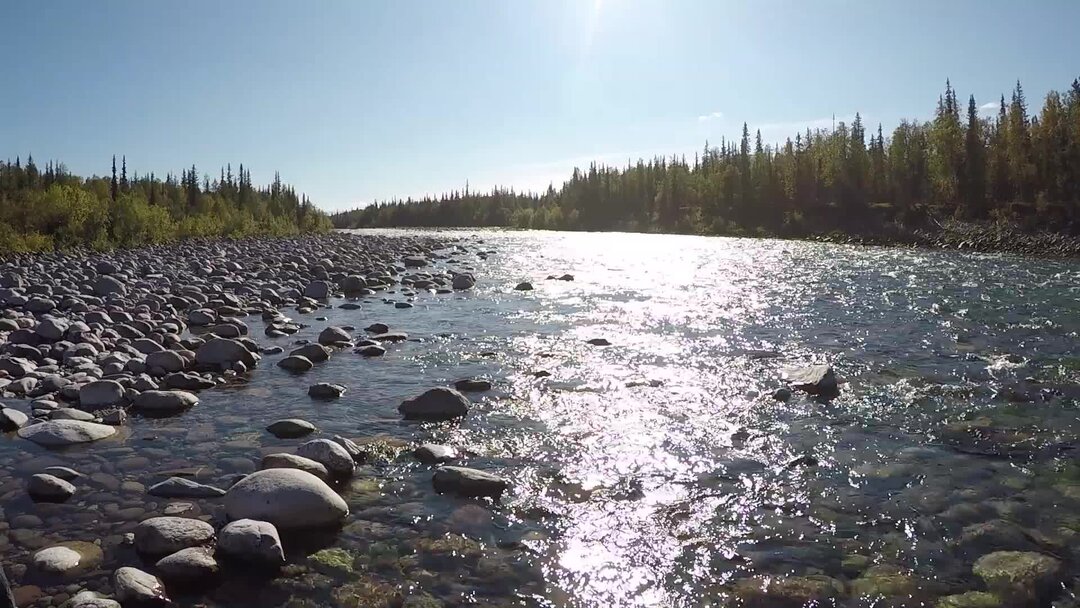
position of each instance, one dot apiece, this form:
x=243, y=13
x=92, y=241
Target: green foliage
x=1014, y=167
x=41, y=211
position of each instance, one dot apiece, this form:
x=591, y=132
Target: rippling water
x=660, y=470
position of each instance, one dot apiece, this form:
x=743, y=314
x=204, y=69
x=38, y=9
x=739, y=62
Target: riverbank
x=966, y=236
x=116, y=369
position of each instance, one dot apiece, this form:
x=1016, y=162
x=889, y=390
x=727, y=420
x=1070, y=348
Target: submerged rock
x=47, y=488
x=287, y=498
x=473, y=385
x=178, y=487
x=468, y=482
x=1020, y=578
x=138, y=587
x=787, y=591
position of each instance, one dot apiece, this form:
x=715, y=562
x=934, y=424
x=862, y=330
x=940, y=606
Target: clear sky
x=354, y=101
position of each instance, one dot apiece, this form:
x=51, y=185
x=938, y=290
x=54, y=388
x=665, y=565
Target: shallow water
x=658, y=471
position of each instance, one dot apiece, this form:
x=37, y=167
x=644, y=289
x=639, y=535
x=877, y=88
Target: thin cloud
x=989, y=107
x=710, y=116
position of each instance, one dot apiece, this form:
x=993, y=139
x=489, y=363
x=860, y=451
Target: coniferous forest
x=1009, y=166
x=49, y=208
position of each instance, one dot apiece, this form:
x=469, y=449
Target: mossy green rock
x=971, y=599
x=332, y=561
x=787, y=591
x=885, y=581
x=1018, y=577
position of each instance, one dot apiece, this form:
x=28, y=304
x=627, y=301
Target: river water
x=659, y=470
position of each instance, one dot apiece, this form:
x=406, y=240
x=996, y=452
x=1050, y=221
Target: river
x=660, y=470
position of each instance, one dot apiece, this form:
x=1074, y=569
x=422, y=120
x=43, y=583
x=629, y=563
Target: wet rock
x=885, y=581
x=971, y=599
x=391, y=336
x=290, y=428
x=463, y=281
x=435, y=404
x=46, y=488
x=287, y=498
x=101, y=394
x=68, y=558
x=326, y=390
x=138, y=587
x=350, y=447
x=317, y=290
x=224, y=352
x=334, y=335
x=353, y=283
x=599, y=342
x=994, y=535
x=164, y=402
x=371, y=350
x=415, y=261
x=788, y=591
x=12, y=420
x=472, y=385
x=1019, y=578
x=178, y=487
x=90, y=599
x=165, y=535
x=377, y=328
x=332, y=561
x=62, y=472
x=524, y=286
x=295, y=364
x=431, y=453
x=468, y=482
x=316, y=353
x=250, y=540
x=329, y=454
x=188, y=565
x=292, y=461
x=69, y=413
x=185, y=381
x=782, y=394
x=814, y=379
x=57, y=433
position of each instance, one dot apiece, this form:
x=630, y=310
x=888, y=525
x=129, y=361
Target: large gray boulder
x=57, y=433
x=295, y=363
x=12, y=420
x=329, y=454
x=317, y=290
x=463, y=281
x=52, y=329
x=435, y=404
x=165, y=535
x=251, y=540
x=106, y=286
x=316, y=353
x=287, y=498
x=101, y=394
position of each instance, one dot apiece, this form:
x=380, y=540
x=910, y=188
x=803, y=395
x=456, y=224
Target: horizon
x=420, y=98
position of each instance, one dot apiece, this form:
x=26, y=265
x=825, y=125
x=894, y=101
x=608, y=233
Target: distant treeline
x=43, y=209
x=1010, y=167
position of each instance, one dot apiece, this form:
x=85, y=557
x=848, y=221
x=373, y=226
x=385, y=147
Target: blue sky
x=353, y=101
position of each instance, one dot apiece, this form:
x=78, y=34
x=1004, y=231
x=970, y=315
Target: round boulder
x=287, y=498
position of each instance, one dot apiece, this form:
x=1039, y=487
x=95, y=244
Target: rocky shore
x=982, y=237
x=94, y=345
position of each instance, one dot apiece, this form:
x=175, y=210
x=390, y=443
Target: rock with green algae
x=853, y=565
x=1018, y=577
x=450, y=544
x=886, y=581
x=366, y=593
x=787, y=591
x=332, y=561
x=971, y=599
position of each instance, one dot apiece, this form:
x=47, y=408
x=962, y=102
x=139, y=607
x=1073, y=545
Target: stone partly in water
x=90, y=599
x=524, y=286
x=47, y=488
x=332, y=561
x=435, y=404
x=467, y=482
x=291, y=428
x=326, y=390
x=57, y=433
x=188, y=565
x=292, y=461
x=817, y=380
x=431, y=453
x=1020, y=578
x=287, y=498
x=165, y=402
x=334, y=335
x=251, y=540
x=295, y=363
x=138, y=587
x=331, y=455
x=68, y=558
x=473, y=385
x=12, y=420
x=165, y=535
